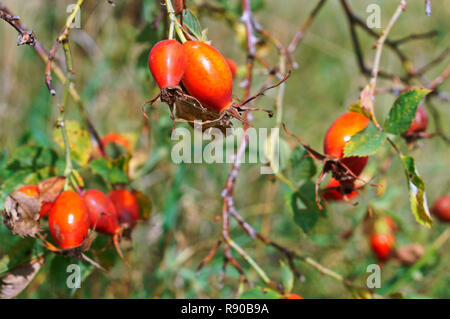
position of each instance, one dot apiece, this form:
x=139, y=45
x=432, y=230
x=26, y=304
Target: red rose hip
x=441, y=208
x=127, y=206
x=419, y=124
x=167, y=62
x=102, y=212
x=339, y=133
x=208, y=77
x=69, y=220
x=382, y=245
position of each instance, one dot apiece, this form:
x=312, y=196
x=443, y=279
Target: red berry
x=340, y=133
x=293, y=296
x=208, y=77
x=69, y=220
x=102, y=212
x=382, y=245
x=420, y=122
x=30, y=190
x=441, y=208
x=233, y=67
x=116, y=139
x=126, y=205
x=335, y=194
x=167, y=61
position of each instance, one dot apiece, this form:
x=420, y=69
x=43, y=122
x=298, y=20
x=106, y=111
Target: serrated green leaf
x=287, y=277
x=304, y=207
x=417, y=195
x=192, y=23
x=79, y=141
x=303, y=166
x=404, y=110
x=366, y=142
x=260, y=293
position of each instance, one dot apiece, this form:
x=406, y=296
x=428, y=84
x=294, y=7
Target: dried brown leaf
x=189, y=111
x=50, y=188
x=19, y=278
x=409, y=254
x=21, y=214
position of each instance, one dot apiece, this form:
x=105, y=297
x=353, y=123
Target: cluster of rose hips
x=197, y=75
x=71, y=215
x=337, y=136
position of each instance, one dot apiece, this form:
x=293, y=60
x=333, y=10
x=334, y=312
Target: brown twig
x=25, y=36
x=301, y=33
x=63, y=35
x=40, y=50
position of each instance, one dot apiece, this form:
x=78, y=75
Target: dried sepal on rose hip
x=24, y=207
x=21, y=214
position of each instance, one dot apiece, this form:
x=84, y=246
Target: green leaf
x=417, y=196
x=404, y=110
x=260, y=293
x=22, y=252
x=366, y=142
x=192, y=23
x=287, y=277
x=303, y=166
x=112, y=171
x=304, y=207
x=79, y=141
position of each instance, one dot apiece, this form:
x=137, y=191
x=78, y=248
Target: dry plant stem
x=61, y=122
x=356, y=21
x=59, y=40
x=59, y=74
x=379, y=48
x=301, y=33
x=441, y=78
x=291, y=255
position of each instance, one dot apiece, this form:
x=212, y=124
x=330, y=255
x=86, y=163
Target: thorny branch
x=44, y=54
x=229, y=209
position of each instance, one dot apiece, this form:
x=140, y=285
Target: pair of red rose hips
x=204, y=72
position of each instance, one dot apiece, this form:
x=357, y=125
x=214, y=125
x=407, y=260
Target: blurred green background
x=111, y=74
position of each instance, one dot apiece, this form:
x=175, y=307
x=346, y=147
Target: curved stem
x=174, y=22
